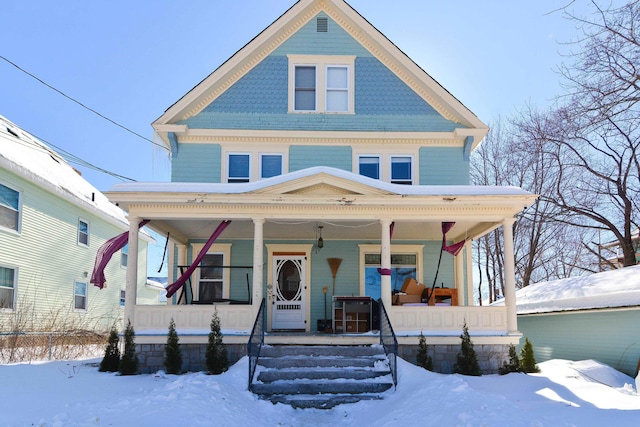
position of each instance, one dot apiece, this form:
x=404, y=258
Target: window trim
x=411, y=180
x=216, y=248
x=228, y=167
x=364, y=249
x=376, y=156
x=124, y=256
x=322, y=63
x=262, y=155
x=18, y=229
x=86, y=295
x=82, y=220
x=15, y=288
x=255, y=151
x=123, y=297
x=386, y=155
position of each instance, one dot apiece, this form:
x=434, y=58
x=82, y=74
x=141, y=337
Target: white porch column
x=509, y=276
x=468, y=258
x=459, y=277
x=385, y=262
x=258, y=255
x=131, y=289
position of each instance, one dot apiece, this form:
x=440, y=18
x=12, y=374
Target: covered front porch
x=284, y=230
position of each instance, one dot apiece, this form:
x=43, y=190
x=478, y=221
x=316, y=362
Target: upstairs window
x=369, y=166
x=270, y=165
x=7, y=287
x=305, y=88
x=238, y=168
x=401, y=170
x=9, y=208
x=83, y=232
x=80, y=296
x=321, y=84
x=124, y=255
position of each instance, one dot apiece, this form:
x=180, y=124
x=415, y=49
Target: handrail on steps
x=389, y=341
x=256, y=341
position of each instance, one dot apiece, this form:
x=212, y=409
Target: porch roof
x=350, y=202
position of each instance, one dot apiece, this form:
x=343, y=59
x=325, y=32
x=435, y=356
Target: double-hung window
x=211, y=283
x=401, y=170
x=369, y=166
x=9, y=208
x=123, y=293
x=80, y=295
x=321, y=84
x=406, y=261
x=124, y=255
x=238, y=168
x=83, y=232
x=270, y=165
x=7, y=287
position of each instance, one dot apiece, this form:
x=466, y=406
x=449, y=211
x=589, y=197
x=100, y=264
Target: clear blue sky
x=132, y=59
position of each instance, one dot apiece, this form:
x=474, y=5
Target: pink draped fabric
x=172, y=288
x=455, y=248
x=104, y=254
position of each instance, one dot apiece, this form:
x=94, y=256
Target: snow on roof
x=609, y=289
x=26, y=156
x=240, y=188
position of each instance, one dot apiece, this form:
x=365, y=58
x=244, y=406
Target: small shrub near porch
x=467, y=360
x=216, y=354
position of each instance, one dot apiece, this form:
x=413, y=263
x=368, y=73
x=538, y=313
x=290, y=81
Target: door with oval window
x=289, y=293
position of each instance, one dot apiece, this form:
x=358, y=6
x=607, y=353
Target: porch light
x=319, y=241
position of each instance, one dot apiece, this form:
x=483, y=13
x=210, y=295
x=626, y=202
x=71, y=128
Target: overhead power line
x=80, y=103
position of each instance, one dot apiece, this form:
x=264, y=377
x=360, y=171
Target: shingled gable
x=287, y=25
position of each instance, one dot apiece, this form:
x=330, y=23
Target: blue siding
x=196, y=163
x=610, y=337
x=259, y=100
x=302, y=157
x=306, y=41
x=443, y=166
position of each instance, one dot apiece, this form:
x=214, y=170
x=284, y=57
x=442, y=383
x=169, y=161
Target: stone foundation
x=490, y=357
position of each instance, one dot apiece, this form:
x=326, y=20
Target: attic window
x=322, y=25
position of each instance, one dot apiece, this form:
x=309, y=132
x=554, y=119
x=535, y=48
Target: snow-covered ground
x=75, y=394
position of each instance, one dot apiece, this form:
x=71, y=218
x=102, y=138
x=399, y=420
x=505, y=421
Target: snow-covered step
x=322, y=376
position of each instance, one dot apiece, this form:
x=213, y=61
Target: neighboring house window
x=321, y=84
x=80, y=295
x=124, y=255
x=238, y=168
x=83, y=232
x=9, y=208
x=401, y=170
x=211, y=283
x=405, y=262
x=7, y=287
x=270, y=165
x=122, y=295
x=369, y=166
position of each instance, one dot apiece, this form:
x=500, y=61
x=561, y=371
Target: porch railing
x=389, y=341
x=256, y=341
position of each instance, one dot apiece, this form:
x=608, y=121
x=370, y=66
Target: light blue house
x=586, y=317
x=52, y=222
x=337, y=159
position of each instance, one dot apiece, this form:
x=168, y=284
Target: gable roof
x=284, y=27
x=26, y=156
x=609, y=289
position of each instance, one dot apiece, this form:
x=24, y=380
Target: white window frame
x=216, y=249
x=411, y=179
x=76, y=295
x=81, y=233
x=262, y=155
x=386, y=155
x=376, y=156
x=18, y=228
x=395, y=250
x=13, y=289
x=255, y=151
x=322, y=63
x=123, y=297
x=228, y=168
x=124, y=255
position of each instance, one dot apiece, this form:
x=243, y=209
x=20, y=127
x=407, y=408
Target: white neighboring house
x=52, y=222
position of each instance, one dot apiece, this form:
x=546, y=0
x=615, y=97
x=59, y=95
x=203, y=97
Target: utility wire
x=81, y=104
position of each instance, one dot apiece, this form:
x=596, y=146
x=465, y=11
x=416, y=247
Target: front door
x=289, y=292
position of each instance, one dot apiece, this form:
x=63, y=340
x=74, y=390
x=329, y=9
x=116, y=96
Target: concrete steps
x=321, y=376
